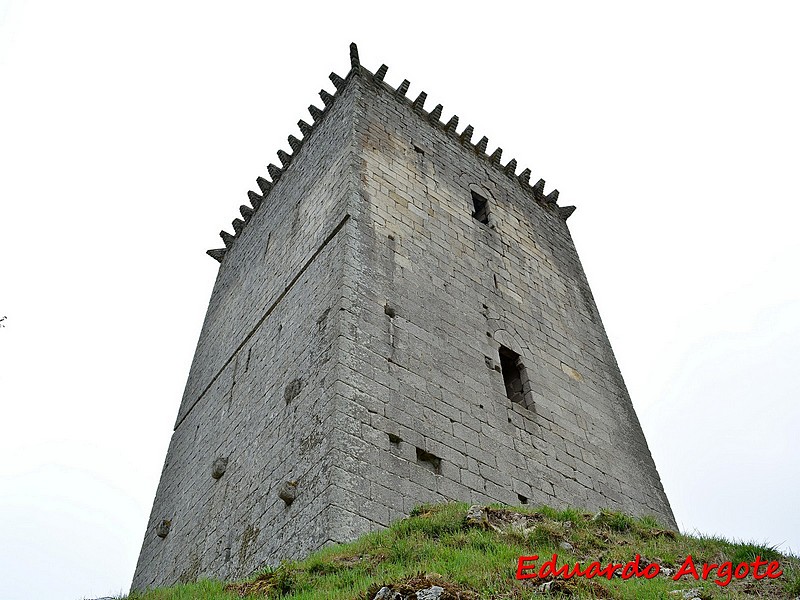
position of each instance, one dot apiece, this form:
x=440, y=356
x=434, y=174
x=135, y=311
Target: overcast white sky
x=131, y=131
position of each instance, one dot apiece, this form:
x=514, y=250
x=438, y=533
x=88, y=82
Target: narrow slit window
x=481, y=206
x=512, y=375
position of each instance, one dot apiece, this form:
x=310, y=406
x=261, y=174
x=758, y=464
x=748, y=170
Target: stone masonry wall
x=260, y=391
x=438, y=293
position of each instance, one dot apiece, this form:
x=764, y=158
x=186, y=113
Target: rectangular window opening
x=481, y=206
x=512, y=375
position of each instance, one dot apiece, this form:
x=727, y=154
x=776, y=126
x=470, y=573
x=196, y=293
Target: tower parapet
x=536, y=190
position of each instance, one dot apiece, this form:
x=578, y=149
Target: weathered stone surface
x=287, y=266
x=396, y=407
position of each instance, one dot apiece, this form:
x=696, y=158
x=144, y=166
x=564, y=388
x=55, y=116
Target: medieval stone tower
x=399, y=318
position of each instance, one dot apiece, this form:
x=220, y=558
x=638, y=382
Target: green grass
x=436, y=546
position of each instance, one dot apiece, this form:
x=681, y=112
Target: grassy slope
x=438, y=544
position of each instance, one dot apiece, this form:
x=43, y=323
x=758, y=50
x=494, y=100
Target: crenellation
x=275, y=172
x=403, y=88
x=337, y=81
x=419, y=103
x=255, y=199
x=227, y=238
x=466, y=135
x=538, y=190
x=217, y=254
x=565, y=211
x=316, y=113
x=265, y=186
x=354, y=61
x=304, y=127
x=380, y=74
x=327, y=98
x=294, y=143
x=285, y=158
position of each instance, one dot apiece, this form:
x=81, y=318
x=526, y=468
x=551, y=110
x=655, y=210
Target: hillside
x=453, y=551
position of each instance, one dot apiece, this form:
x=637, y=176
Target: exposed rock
x=386, y=593
x=546, y=587
x=432, y=593
x=476, y=516
x=690, y=594
x=429, y=586
x=501, y=520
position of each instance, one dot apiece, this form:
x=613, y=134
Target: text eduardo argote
x=722, y=573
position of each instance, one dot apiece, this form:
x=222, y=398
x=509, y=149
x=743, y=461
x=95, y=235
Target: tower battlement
x=398, y=318
x=536, y=190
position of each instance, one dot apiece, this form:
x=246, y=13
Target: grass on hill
x=437, y=546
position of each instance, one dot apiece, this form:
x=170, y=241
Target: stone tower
x=399, y=318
